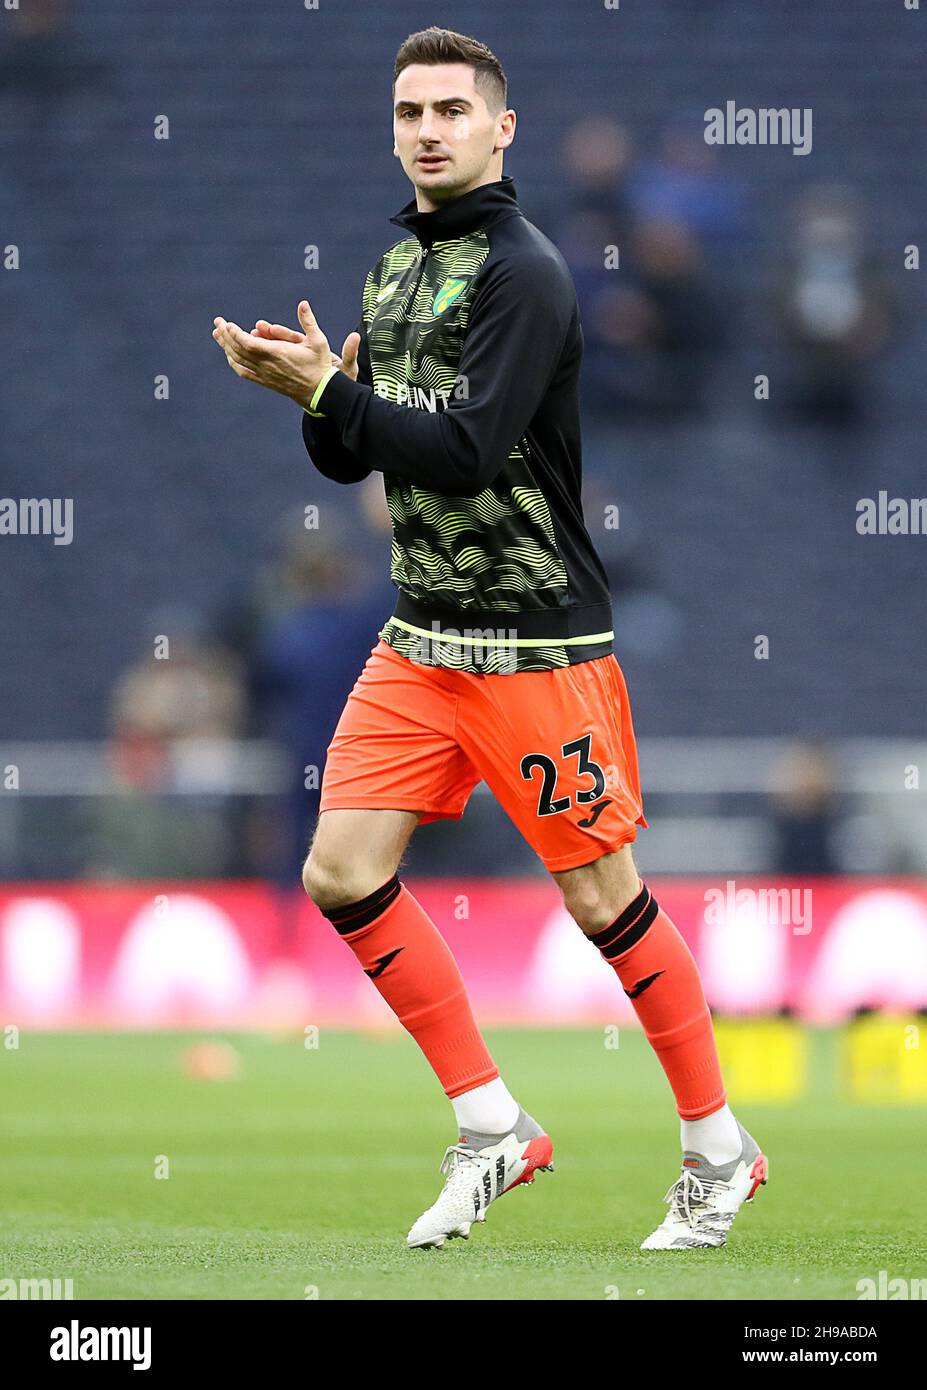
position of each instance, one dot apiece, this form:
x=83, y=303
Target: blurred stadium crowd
x=698, y=269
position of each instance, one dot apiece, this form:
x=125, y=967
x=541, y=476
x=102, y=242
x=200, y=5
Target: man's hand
x=290, y=363
x=347, y=361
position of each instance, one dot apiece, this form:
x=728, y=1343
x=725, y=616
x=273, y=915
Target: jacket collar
x=462, y=215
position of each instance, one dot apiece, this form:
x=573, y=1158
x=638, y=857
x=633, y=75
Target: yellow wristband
x=311, y=407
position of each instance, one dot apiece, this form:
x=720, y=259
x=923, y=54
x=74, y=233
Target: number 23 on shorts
x=549, y=803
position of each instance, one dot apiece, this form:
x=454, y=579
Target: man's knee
x=596, y=894
x=353, y=853
x=332, y=881
x=590, y=906
x=320, y=881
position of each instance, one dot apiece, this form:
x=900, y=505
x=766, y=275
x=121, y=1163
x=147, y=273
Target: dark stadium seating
x=742, y=517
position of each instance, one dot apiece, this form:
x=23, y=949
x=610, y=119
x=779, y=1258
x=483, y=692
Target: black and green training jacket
x=467, y=401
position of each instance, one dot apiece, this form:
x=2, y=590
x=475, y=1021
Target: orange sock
x=411, y=965
x=660, y=977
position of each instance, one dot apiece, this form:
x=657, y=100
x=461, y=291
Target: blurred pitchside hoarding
x=242, y=955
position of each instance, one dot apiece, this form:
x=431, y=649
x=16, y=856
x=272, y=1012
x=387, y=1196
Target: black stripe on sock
x=630, y=915
x=632, y=935
x=353, y=916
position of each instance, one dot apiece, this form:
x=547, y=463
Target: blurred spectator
x=653, y=327
x=650, y=316
x=185, y=688
x=684, y=319
x=833, y=305
x=595, y=209
x=685, y=184
x=594, y=215
x=804, y=813
x=307, y=653
x=44, y=64
x=186, y=691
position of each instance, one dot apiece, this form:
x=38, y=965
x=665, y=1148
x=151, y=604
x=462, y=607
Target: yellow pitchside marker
x=884, y=1059
x=763, y=1059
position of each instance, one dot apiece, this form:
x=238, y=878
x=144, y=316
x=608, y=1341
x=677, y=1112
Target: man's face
x=445, y=136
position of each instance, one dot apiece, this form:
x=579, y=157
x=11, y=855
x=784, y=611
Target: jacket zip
x=421, y=271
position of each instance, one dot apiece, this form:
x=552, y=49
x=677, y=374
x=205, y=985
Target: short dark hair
x=434, y=45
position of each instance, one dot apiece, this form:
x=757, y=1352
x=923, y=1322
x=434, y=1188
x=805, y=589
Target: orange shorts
x=556, y=748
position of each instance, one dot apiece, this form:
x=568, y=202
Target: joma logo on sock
x=644, y=984
x=771, y=907
x=382, y=962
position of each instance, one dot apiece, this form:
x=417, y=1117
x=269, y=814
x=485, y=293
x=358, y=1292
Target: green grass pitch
x=305, y=1172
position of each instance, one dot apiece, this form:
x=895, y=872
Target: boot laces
x=690, y=1197
x=456, y=1158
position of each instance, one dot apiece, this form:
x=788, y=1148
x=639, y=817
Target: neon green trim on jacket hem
x=505, y=642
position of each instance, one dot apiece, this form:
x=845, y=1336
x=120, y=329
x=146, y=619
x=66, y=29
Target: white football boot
x=704, y=1200
x=478, y=1170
